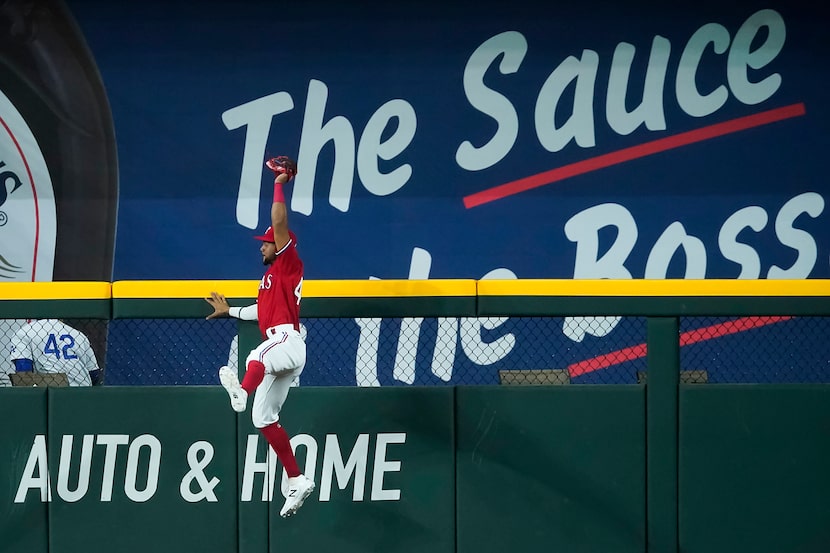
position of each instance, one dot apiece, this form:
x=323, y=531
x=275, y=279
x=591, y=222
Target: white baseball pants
x=284, y=355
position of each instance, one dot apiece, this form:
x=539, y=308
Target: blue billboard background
x=402, y=115
x=172, y=72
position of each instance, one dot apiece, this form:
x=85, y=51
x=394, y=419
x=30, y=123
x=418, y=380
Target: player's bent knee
x=262, y=419
x=262, y=422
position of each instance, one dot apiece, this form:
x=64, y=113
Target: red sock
x=254, y=374
x=278, y=438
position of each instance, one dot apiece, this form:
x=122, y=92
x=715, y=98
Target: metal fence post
x=662, y=434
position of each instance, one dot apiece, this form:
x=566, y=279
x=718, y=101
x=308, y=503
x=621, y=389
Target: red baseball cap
x=268, y=236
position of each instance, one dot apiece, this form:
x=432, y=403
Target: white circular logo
x=28, y=226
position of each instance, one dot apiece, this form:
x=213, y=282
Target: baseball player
x=50, y=346
x=273, y=365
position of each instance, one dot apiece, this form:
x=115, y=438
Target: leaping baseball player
x=280, y=358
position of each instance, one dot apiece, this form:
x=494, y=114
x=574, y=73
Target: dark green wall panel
x=418, y=306
x=178, y=418
x=551, y=469
x=753, y=469
x=523, y=469
x=428, y=306
x=45, y=309
x=23, y=526
x=422, y=519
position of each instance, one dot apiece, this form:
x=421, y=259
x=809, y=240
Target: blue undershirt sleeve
x=23, y=365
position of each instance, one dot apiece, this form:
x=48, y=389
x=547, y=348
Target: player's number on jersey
x=298, y=291
x=64, y=349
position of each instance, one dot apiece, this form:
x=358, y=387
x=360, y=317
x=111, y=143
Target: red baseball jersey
x=280, y=290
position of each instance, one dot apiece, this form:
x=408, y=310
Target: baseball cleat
x=229, y=380
x=299, y=488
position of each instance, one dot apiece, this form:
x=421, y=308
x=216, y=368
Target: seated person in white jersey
x=50, y=346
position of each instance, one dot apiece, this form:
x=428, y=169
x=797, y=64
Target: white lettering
x=266, y=282
x=740, y=57
x=580, y=124
x=801, y=241
x=673, y=239
x=268, y=468
x=337, y=130
x=256, y=115
x=752, y=217
x=36, y=463
x=382, y=466
x=475, y=347
x=310, y=468
x=691, y=100
x=111, y=442
x=371, y=147
x=511, y=46
x=578, y=78
x=64, y=492
x=253, y=467
x=446, y=344
x=583, y=229
x=354, y=466
x=410, y=332
x=353, y=469
x=130, y=481
x=366, y=355
x=650, y=110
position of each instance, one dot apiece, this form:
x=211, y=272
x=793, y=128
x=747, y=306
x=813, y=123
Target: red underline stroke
x=633, y=152
x=687, y=338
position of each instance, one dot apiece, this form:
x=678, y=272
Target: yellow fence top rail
x=388, y=288
x=168, y=289
x=165, y=289
x=654, y=288
x=55, y=290
x=131, y=289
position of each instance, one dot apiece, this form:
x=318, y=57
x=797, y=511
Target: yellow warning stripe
x=55, y=290
x=651, y=288
x=164, y=289
x=311, y=288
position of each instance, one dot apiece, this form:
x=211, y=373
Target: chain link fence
x=53, y=352
x=755, y=350
x=458, y=351
x=169, y=352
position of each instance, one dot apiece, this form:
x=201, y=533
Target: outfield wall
x=425, y=469
x=469, y=469
x=662, y=466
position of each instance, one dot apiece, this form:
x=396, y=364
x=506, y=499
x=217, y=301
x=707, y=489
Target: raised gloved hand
x=282, y=165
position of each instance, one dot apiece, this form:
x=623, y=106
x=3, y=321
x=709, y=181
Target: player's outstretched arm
x=279, y=214
x=284, y=169
x=221, y=308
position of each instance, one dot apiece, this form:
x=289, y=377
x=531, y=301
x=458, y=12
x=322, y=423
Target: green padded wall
x=24, y=525
x=551, y=469
x=753, y=468
x=114, y=511
x=418, y=421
